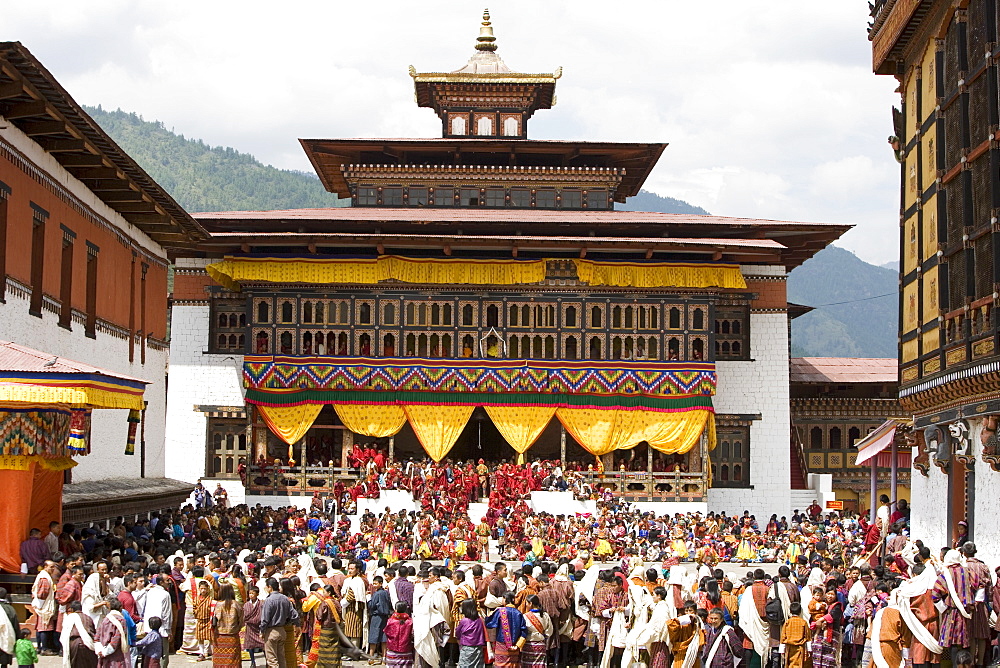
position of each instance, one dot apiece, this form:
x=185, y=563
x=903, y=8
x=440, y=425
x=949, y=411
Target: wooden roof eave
x=76, y=141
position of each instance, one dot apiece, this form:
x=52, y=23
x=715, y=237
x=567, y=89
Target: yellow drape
x=438, y=427
x=374, y=421
x=16, y=391
x=601, y=431
x=520, y=425
x=232, y=271
x=290, y=423
x=659, y=275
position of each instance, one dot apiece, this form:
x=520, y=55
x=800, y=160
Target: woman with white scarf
x=77, y=638
x=111, y=642
x=95, y=591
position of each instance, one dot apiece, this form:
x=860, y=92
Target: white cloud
x=770, y=109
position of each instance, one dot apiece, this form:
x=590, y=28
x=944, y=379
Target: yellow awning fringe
x=231, y=272
x=25, y=393
x=23, y=462
x=658, y=275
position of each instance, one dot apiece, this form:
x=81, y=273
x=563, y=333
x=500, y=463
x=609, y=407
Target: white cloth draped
x=429, y=611
x=91, y=596
x=753, y=625
x=45, y=608
x=70, y=622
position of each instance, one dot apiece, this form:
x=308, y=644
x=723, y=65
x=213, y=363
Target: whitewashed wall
x=759, y=386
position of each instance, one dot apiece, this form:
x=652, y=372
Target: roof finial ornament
x=486, y=41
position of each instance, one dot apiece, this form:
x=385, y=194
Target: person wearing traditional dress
x=539, y=627
x=227, y=620
x=202, y=613
x=511, y=633
x=78, y=638
x=354, y=603
x=95, y=591
x=111, y=640
x=827, y=637
x=191, y=588
x=399, y=638
x=432, y=620
x=956, y=589
x=43, y=602
x=795, y=634
x=722, y=649
x=686, y=636
x=379, y=609
x=890, y=636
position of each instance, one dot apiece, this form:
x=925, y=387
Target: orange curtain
x=290, y=423
x=438, y=427
x=33, y=498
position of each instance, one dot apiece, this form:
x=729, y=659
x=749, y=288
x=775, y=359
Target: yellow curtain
x=438, y=427
x=290, y=423
x=374, y=421
x=73, y=393
x=659, y=275
x=232, y=271
x=520, y=425
x=601, y=431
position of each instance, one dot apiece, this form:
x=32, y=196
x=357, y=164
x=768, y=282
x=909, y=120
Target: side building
x=836, y=402
x=483, y=281
x=85, y=243
x=943, y=55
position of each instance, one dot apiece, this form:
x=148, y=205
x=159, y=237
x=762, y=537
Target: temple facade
x=482, y=298
x=942, y=54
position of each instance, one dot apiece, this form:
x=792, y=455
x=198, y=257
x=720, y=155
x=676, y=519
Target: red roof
x=15, y=357
x=499, y=215
x=843, y=370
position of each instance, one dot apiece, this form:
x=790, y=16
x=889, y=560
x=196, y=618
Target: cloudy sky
x=770, y=108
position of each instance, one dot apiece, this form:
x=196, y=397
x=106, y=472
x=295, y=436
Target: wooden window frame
x=66, y=278
x=38, y=219
x=4, y=197
x=93, y=269
x=731, y=433
x=226, y=426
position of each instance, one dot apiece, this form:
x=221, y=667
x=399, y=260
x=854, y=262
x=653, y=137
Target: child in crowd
x=150, y=646
x=399, y=638
x=795, y=637
x=817, y=608
x=24, y=650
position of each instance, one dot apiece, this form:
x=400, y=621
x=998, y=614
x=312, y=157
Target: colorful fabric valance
x=71, y=389
x=36, y=431
x=233, y=271
x=659, y=275
x=409, y=374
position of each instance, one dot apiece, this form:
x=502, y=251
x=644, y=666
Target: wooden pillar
x=894, y=476
x=392, y=448
x=345, y=447
x=649, y=472
x=873, y=501
x=562, y=445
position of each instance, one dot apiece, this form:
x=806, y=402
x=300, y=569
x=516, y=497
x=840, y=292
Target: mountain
x=649, y=201
x=856, y=306
x=894, y=265
x=214, y=178
x=210, y=178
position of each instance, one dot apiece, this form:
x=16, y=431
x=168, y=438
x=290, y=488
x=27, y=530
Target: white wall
x=929, y=506
x=196, y=379
x=759, y=386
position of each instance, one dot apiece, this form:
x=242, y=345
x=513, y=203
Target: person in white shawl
x=899, y=609
x=354, y=603
x=431, y=620
x=75, y=622
x=43, y=601
x=95, y=590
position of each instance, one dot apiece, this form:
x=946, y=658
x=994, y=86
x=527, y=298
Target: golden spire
x=486, y=41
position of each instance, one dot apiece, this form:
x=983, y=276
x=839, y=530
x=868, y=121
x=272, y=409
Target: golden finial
x=486, y=41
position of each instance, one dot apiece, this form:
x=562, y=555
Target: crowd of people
x=223, y=582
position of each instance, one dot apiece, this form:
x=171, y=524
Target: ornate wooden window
x=388, y=313
x=595, y=347
x=262, y=342
x=520, y=197
x=597, y=199
x=417, y=196
x=571, y=315
x=571, y=199
x=389, y=344
x=731, y=457
x=492, y=314
x=699, y=344
x=732, y=332
x=468, y=314
x=364, y=309
x=228, y=322
x=226, y=445
x=699, y=317
x=545, y=198
x=286, y=308
x=571, y=346
x=392, y=196
x=596, y=316
x=262, y=311
x=675, y=318
x=495, y=197
x=367, y=196
x=469, y=197
x=444, y=197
